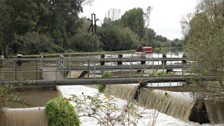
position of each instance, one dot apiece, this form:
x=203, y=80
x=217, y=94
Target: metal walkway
x=94, y=81
x=53, y=72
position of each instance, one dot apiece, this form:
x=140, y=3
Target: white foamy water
x=162, y=119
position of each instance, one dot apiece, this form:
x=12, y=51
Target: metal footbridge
x=41, y=72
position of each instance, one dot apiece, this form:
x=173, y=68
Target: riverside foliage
x=61, y=113
x=46, y=26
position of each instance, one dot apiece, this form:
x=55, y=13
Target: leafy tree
x=84, y=41
x=134, y=19
x=64, y=19
x=6, y=27
x=35, y=41
x=149, y=37
x=115, y=37
x=56, y=18
x=204, y=42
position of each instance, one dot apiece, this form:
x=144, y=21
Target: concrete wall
x=215, y=111
x=24, y=117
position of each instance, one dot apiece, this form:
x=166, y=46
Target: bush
x=115, y=37
x=32, y=43
x=84, y=42
x=101, y=87
x=56, y=48
x=61, y=113
x=106, y=74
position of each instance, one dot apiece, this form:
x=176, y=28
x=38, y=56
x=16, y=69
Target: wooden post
x=142, y=62
x=164, y=59
x=19, y=62
x=15, y=69
x=184, y=59
x=102, y=62
x=1, y=60
x=36, y=69
x=119, y=62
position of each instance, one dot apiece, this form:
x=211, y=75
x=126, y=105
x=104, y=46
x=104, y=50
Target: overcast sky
x=165, y=16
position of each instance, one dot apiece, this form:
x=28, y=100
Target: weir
x=25, y=117
x=14, y=114
x=177, y=104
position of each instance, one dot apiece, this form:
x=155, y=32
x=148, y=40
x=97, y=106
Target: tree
x=149, y=37
x=147, y=16
x=204, y=43
x=113, y=14
x=55, y=18
x=34, y=43
x=64, y=19
x=84, y=41
x=115, y=37
x=134, y=19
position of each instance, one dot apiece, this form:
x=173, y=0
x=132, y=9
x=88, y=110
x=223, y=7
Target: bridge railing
x=118, y=62
x=33, y=68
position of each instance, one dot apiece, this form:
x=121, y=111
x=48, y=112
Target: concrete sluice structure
x=215, y=111
x=176, y=104
x=27, y=112
x=24, y=117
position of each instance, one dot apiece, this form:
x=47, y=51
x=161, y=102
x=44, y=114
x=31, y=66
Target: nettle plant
x=103, y=108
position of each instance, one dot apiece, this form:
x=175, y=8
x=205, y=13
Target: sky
x=165, y=16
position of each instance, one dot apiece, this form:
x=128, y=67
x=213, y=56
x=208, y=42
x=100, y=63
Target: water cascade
x=177, y=104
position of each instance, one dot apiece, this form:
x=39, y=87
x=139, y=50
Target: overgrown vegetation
x=107, y=113
x=102, y=87
x=40, y=26
x=204, y=42
x=61, y=113
x=8, y=95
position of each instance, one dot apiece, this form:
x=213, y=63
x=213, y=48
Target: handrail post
x=119, y=62
x=15, y=69
x=36, y=69
x=57, y=62
x=1, y=60
x=88, y=66
x=102, y=56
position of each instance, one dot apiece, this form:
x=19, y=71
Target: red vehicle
x=144, y=50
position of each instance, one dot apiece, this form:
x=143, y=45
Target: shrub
x=84, y=42
x=115, y=37
x=61, y=113
x=56, y=48
x=106, y=74
x=101, y=87
x=32, y=43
